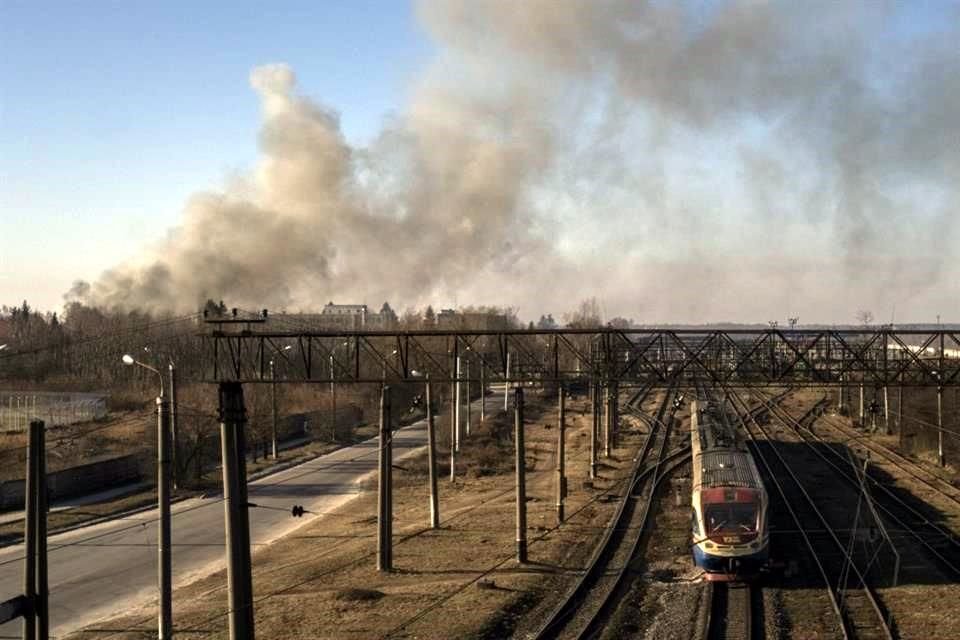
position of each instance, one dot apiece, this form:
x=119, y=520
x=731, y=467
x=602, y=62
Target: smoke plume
x=744, y=161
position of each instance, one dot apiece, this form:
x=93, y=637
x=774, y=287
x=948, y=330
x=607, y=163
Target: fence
x=79, y=480
x=18, y=408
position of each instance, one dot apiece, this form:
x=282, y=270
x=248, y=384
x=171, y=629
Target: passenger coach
x=730, y=536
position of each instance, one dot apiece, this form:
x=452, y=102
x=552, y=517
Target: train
x=731, y=539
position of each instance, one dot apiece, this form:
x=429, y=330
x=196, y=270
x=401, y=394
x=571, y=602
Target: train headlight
x=708, y=545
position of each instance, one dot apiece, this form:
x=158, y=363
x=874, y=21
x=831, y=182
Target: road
x=107, y=568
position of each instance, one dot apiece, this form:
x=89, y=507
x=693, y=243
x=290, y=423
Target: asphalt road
x=104, y=569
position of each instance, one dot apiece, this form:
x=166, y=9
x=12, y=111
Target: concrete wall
x=80, y=480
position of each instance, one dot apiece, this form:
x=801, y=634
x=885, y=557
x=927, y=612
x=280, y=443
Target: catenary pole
x=30, y=534
x=164, y=563
x=384, y=515
x=432, y=460
x=561, y=434
x=42, y=604
x=232, y=419
x=273, y=411
x=520, y=465
x=174, y=429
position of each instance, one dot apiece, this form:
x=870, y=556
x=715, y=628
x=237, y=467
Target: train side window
x=695, y=524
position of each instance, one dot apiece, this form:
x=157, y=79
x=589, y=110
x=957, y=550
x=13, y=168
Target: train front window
x=733, y=517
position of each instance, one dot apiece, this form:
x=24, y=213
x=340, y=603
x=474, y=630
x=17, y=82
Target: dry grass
x=320, y=581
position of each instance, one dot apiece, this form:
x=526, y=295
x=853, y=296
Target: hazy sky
x=704, y=160
x=113, y=113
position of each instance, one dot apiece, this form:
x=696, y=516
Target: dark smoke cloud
x=741, y=162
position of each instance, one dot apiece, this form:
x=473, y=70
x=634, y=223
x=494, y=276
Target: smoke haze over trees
x=740, y=162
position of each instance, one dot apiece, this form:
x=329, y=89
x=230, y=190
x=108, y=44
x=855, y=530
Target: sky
x=113, y=113
x=688, y=161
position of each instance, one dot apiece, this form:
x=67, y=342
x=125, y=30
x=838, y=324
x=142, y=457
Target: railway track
x=858, y=612
x=885, y=456
x=579, y=614
x=730, y=611
x=909, y=526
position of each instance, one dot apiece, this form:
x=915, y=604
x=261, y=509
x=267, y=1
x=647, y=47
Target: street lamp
x=164, y=565
x=273, y=405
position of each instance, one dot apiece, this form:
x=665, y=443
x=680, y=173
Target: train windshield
x=731, y=517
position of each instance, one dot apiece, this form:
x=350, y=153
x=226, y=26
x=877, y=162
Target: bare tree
x=586, y=316
x=865, y=317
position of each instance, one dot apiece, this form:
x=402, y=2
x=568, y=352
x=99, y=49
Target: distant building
x=344, y=316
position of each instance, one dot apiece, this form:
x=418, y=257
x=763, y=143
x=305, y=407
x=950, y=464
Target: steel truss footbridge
x=660, y=357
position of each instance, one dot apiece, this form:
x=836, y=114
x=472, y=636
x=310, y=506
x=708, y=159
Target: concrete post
x=940, y=459
x=506, y=385
x=164, y=563
x=432, y=460
x=456, y=412
x=594, y=429
x=483, y=393
x=468, y=399
x=174, y=429
x=333, y=403
x=42, y=605
x=886, y=411
x=521, y=482
x=384, y=488
x=273, y=411
x=31, y=510
x=608, y=420
x=862, y=415
x=239, y=582
x=561, y=435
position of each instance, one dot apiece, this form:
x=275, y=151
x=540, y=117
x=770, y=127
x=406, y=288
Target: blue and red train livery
x=729, y=521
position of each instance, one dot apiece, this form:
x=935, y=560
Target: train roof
x=727, y=468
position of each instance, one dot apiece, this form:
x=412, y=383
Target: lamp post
x=164, y=566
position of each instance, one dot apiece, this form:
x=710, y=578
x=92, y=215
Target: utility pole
x=862, y=425
x=940, y=459
x=333, y=403
x=506, y=385
x=174, y=427
x=384, y=487
x=453, y=421
x=886, y=411
x=35, y=615
x=561, y=477
x=273, y=410
x=164, y=563
x=520, y=464
x=432, y=460
x=239, y=582
x=483, y=394
x=42, y=605
x=31, y=511
x=900, y=414
x=607, y=421
x=468, y=398
x=615, y=413
x=456, y=413
x=594, y=428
